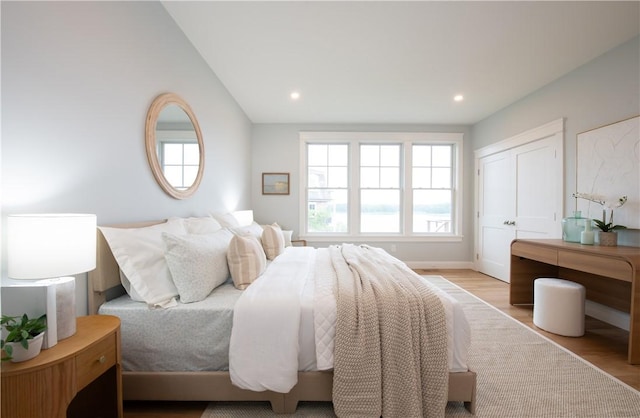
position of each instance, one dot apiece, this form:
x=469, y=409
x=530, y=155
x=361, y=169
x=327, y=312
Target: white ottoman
x=558, y=306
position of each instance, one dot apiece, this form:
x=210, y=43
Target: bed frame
x=104, y=284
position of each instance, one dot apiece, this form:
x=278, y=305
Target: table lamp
x=46, y=249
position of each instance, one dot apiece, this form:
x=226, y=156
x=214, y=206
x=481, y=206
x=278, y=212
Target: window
x=180, y=162
x=380, y=188
x=327, y=187
x=380, y=185
x=179, y=157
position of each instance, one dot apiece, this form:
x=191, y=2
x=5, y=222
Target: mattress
x=186, y=337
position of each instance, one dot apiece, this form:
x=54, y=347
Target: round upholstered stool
x=558, y=306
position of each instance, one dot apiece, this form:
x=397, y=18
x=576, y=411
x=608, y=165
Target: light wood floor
x=602, y=345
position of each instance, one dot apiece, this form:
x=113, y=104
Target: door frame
x=547, y=130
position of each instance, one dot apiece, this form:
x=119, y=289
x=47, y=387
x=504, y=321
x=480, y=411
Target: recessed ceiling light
x=458, y=97
x=295, y=95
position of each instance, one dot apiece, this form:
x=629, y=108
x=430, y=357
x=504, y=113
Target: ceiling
x=396, y=62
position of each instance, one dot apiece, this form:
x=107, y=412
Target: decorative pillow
x=272, y=240
x=286, y=234
x=140, y=255
x=198, y=262
x=246, y=260
x=202, y=225
x=252, y=229
x=227, y=220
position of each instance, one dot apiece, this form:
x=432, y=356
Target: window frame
x=175, y=137
x=406, y=139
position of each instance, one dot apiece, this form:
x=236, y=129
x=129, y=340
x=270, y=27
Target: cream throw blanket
x=391, y=341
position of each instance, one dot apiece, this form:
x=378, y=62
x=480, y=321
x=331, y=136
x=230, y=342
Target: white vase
x=608, y=239
x=23, y=354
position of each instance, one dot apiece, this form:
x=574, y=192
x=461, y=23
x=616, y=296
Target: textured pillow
x=272, y=241
x=198, y=263
x=140, y=255
x=246, y=260
x=252, y=229
x=203, y=225
x=287, y=237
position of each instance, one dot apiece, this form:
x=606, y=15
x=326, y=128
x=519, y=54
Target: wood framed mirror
x=175, y=149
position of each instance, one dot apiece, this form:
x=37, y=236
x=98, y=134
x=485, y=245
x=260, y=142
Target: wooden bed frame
x=104, y=284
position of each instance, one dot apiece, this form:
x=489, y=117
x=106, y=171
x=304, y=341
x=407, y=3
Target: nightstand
x=78, y=377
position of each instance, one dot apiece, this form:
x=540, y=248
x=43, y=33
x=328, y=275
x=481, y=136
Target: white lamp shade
x=244, y=217
x=41, y=246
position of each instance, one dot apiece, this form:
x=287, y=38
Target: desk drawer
x=535, y=252
x=95, y=360
x=590, y=263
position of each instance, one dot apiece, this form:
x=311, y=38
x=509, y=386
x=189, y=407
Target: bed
x=150, y=374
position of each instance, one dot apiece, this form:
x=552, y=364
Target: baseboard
x=606, y=314
x=430, y=265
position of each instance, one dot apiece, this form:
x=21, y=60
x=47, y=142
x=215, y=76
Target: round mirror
x=174, y=146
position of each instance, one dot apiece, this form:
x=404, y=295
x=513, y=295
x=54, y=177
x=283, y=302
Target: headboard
x=105, y=279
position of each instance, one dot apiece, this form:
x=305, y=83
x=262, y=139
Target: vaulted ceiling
x=396, y=62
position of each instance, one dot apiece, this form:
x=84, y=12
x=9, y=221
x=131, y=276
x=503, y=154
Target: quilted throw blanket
x=391, y=343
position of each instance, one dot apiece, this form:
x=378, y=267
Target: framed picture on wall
x=607, y=165
x=275, y=183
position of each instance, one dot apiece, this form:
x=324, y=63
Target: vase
x=572, y=227
x=20, y=353
x=586, y=236
x=608, y=239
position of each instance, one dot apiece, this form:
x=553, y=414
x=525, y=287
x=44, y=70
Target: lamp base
x=65, y=307
x=65, y=322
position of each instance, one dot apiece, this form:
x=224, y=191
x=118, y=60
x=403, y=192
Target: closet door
x=496, y=190
x=519, y=195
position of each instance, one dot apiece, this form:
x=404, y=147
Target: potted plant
x=24, y=337
x=607, y=235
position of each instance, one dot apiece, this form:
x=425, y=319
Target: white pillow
x=287, y=237
x=253, y=229
x=272, y=241
x=202, y=225
x=140, y=255
x=246, y=260
x=226, y=220
x=198, y=263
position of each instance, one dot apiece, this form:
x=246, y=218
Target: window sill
x=382, y=238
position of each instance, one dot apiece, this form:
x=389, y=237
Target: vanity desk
x=611, y=276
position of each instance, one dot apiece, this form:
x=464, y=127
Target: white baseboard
x=606, y=314
x=427, y=265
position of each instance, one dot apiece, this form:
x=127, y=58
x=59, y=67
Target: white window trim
x=407, y=138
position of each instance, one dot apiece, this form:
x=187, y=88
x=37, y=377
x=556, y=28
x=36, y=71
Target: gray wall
x=601, y=92
x=275, y=148
x=77, y=81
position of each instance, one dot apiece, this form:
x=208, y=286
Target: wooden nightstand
x=78, y=377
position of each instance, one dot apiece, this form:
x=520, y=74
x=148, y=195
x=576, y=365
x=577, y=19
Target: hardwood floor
x=602, y=345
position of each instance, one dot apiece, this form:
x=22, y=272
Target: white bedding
x=261, y=350
x=146, y=346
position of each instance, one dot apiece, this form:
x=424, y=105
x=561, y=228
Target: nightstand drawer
x=95, y=360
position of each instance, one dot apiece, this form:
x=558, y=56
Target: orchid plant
x=606, y=205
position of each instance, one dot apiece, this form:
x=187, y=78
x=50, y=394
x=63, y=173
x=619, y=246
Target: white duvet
x=285, y=322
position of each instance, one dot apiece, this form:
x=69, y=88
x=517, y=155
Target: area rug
x=520, y=374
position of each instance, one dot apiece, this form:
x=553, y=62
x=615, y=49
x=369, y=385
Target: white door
x=496, y=208
x=519, y=196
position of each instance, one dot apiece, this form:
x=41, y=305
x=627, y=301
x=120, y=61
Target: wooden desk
x=78, y=377
x=610, y=275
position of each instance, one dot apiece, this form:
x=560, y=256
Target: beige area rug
x=520, y=374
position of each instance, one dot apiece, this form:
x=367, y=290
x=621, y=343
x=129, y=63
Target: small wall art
x=275, y=183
